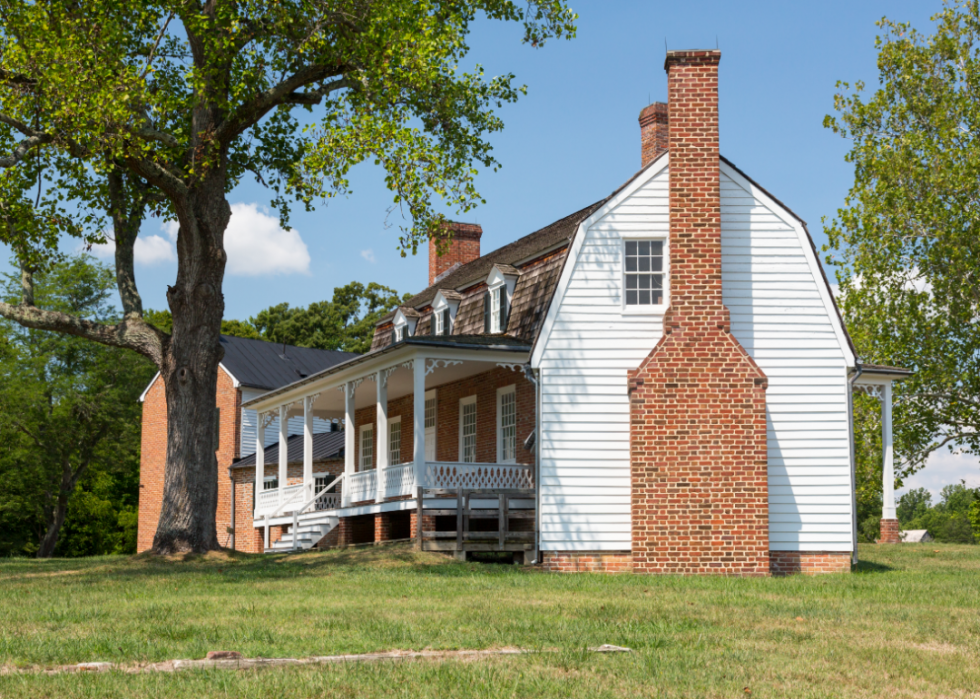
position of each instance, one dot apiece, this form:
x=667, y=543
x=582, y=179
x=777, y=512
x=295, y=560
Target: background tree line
x=70, y=412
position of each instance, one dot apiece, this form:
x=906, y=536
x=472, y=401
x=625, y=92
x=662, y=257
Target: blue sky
x=574, y=138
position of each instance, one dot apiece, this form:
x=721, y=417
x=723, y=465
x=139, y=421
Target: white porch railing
x=363, y=486
x=443, y=474
x=399, y=480
x=268, y=500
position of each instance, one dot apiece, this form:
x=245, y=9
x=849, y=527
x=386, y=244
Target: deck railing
x=399, y=480
x=268, y=500
x=445, y=474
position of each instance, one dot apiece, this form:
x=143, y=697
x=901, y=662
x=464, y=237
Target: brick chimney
x=459, y=244
x=698, y=457
x=653, y=132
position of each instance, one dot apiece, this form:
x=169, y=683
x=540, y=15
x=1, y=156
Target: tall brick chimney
x=459, y=243
x=698, y=458
x=653, y=132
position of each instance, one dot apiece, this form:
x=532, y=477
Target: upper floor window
x=367, y=447
x=467, y=429
x=439, y=320
x=399, y=333
x=507, y=424
x=395, y=441
x=644, y=272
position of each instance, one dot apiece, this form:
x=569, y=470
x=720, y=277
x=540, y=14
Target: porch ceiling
x=329, y=403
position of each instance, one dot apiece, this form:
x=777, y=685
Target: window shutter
x=432, y=323
x=486, y=312
x=392, y=335
x=445, y=322
x=503, y=309
x=216, y=440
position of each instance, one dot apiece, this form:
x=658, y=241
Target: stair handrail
x=297, y=513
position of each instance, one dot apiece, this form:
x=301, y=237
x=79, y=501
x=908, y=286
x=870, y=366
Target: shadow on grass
x=866, y=567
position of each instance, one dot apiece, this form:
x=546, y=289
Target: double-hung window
x=495, y=309
x=467, y=430
x=367, y=447
x=395, y=441
x=644, y=273
x=399, y=333
x=439, y=320
x=507, y=424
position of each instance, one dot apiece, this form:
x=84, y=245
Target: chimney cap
x=692, y=56
x=653, y=113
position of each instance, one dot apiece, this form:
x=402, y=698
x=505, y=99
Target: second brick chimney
x=653, y=132
x=459, y=244
x=698, y=453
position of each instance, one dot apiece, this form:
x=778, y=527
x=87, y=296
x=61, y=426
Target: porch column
x=350, y=444
x=283, y=453
x=307, y=448
x=889, y=520
x=418, y=418
x=259, y=459
x=381, y=458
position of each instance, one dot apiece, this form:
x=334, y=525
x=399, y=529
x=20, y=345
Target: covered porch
x=421, y=413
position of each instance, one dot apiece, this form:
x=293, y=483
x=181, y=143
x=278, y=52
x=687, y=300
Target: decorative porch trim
x=433, y=364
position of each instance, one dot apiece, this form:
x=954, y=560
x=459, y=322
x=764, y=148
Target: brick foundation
x=809, y=562
x=587, y=561
x=890, y=532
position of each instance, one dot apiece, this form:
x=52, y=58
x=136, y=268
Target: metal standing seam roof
x=326, y=446
x=268, y=365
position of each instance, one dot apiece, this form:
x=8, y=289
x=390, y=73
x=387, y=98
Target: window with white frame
x=495, y=309
x=367, y=447
x=270, y=482
x=438, y=320
x=399, y=333
x=643, y=272
x=395, y=441
x=507, y=424
x=430, y=412
x=467, y=430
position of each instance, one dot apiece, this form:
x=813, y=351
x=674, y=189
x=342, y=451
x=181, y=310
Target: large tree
x=137, y=106
x=68, y=412
x=907, y=242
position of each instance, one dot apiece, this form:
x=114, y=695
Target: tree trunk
x=190, y=374
x=58, y=512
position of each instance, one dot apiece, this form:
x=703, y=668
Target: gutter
x=231, y=534
x=850, y=436
x=529, y=375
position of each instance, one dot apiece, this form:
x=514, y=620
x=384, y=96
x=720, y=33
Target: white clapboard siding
x=272, y=430
x=778, y=313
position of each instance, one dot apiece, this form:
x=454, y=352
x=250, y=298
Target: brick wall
x=153, y=457
x=484, y=386
x=697, y=402
x=461, y=247
x=809, y=562
x=890, y=532
x=587, y=561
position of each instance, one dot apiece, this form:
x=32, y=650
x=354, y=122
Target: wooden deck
x=506, y=506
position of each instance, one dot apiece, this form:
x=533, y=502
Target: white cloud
x=369, y=255
x=944, y=468
x=149, y=250
x=257, y=245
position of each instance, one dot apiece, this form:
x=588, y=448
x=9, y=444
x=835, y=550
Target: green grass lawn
x=906, y=623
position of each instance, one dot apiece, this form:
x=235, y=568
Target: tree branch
x=284, y=93
x=132, y=334
x=148, y=133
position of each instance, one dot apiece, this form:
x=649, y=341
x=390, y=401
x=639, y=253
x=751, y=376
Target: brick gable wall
x=153, y=458
x=697, y=403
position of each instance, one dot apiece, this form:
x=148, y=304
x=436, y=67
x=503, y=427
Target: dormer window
x=440, y=323
x=444, y=308
x=403, y=324
x=495, y=309
x=501, y=285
